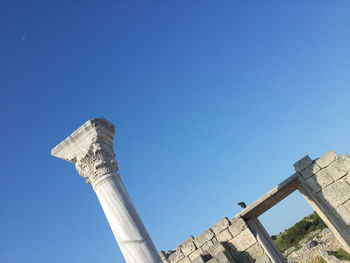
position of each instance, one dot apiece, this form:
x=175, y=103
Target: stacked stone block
x=327, y=181
x=227, y=241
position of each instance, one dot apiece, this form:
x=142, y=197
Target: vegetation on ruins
x=342, y=254
x=292, y=236
x=321, y=260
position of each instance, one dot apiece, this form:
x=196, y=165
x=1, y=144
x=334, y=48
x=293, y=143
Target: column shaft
x=90, y=147
x=128, y=229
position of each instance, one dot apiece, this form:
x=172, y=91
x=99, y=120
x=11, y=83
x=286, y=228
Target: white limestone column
x=90, y=147
x=265, y=241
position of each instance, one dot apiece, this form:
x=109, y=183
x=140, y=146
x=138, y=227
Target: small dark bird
x=242, y=204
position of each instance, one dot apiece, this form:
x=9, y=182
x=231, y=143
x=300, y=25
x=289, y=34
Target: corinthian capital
x=90, y=147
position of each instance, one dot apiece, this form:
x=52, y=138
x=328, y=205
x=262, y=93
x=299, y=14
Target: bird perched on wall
x=242, y=204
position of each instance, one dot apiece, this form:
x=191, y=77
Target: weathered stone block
x=245, y=258
x=327, y=159
x=347, y=205
x=263, y=259
x=323, y=179
x=162, y=254
x=220, y=226
x=336, y=193
x=223, y=257
x=244, y=240
x=310, y=171
x=176, y=256
x=213, y=260
x=185, y=260
x=339, y=168
x=302, y=163
x=188, y=246
x=195, y=254
x=204, y=237
x=198, y=259
x=224, y=236
x=343, y=214
x=237, y=226
x=256, y=250
x=312, y=184
x=216, y=248
x=207, y=245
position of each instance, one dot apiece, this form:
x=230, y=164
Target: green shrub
x=342, y=254
x=293, y=235
x=321, y=260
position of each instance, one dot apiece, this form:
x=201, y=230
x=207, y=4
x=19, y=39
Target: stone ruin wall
x=325, y=184
x=227, y=241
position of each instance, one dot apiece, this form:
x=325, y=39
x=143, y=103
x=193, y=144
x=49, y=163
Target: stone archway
x=324, y=183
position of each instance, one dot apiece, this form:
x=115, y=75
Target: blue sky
x=213, y=102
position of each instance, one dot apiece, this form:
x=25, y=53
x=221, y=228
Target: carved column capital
x=95, y=161
x=91, y=149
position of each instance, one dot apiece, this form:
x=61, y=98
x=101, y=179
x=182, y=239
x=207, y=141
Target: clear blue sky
x=213, y=102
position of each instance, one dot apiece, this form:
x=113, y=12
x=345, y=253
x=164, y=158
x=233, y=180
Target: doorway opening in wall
x=298, y=232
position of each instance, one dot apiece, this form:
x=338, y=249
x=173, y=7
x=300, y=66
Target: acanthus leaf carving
x=95, y=161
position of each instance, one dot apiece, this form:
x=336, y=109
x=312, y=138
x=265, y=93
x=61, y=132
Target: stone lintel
x=91, y=131
x=271, y=198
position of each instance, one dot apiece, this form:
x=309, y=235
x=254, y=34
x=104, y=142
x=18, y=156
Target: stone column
x=325, y=184
x=265, y=241
x=90, y=147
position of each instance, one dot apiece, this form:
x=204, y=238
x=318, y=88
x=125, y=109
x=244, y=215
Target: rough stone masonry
x=325, y=184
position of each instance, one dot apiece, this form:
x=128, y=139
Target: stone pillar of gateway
x=90, y=147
